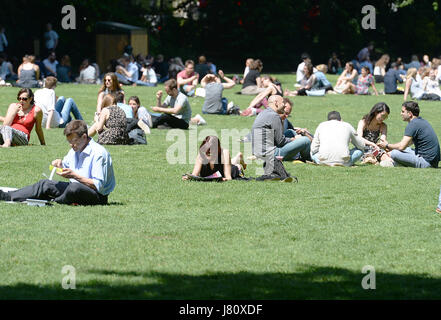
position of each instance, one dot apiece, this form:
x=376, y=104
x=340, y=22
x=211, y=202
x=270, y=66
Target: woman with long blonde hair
x=412, y=85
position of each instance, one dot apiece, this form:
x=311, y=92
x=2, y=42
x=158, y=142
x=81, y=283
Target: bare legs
x=349, y=89
x=238, y=161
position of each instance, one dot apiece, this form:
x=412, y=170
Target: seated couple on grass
x=270, y=144
x=88, y=166
x=121, y=123
x=273, y=135
x=315, y=82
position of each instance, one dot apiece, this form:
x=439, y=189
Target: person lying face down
x=212, y=158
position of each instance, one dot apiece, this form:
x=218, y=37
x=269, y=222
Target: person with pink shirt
x=187, y=79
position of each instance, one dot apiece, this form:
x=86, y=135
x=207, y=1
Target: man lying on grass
x=88, y=166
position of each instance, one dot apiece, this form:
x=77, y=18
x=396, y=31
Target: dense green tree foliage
x=228, y=31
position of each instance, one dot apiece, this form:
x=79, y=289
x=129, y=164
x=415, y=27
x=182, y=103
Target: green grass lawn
x=162, y=238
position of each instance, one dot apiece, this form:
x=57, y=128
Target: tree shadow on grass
x=312, y=283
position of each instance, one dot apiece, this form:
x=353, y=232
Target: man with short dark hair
x=364, y=59
x=300, y=75
x=119, y=97
x=415, y=63
x=161, y=68
x=50, y=38
x=50, y=64
x=128, y=73
x=202, y=67
x=391, y=77
x=330, y=145
x=421, y=134
x=179, y=113
x=88, y=166
x=302, y=137
x=6, y=69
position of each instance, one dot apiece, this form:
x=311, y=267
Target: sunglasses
x=22, y=99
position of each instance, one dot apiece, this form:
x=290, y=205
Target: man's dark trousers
x=61, y=192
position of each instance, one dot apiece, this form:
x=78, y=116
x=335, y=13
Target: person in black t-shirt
x=202, y=68
x=252, y=83
x=161, y=68
x=419, y=132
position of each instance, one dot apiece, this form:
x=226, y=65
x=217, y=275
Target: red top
x=183, y=74
x=25, y=123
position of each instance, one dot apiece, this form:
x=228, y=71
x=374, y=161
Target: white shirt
x=299, y=74
x=88, y=74
x=431, y=86
x=377, y=71
x=132, y=68
x=331, y=142
x=45, y=99
x=438, y=74
x=247, y=69
x=150, y=74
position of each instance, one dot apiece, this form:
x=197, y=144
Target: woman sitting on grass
x=252, y=83
x=272, y=87
x=372, y=129
x=110, y=85
x=114, y=119
x=413, y=85
x=348, y=76
x=316, y=84
x=213, y=158
x=141, y=117
x=362, y=87
x=380, y=68
x=28, y=73
x=308, y=71
x=430, y=86
x=20, y=120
